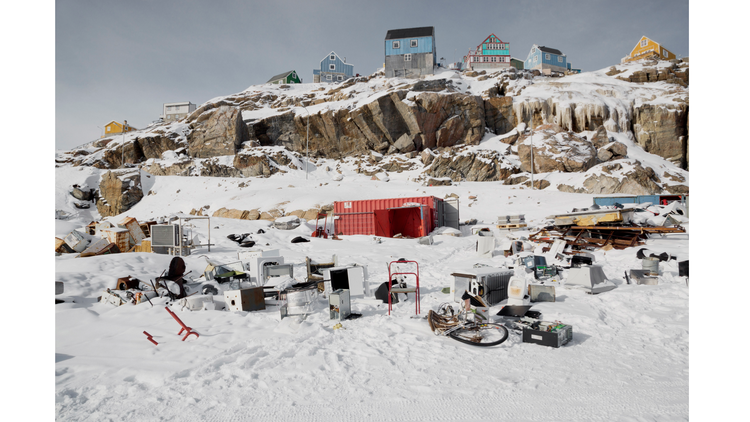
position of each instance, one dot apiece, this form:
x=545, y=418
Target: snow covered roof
x=279, y=76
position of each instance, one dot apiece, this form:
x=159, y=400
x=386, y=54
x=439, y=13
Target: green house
x=285, y=78
x=518, y=64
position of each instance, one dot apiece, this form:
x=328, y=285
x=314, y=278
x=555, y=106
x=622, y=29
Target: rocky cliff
x=581, y=122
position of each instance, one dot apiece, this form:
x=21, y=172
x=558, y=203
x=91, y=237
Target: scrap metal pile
x=615, y=226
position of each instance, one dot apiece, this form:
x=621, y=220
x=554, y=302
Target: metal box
x=339, y=305
x=136, y=234
x=118, y=236
x=411, y=217
x=250, y=299
x=76, y=241
x=555, y=338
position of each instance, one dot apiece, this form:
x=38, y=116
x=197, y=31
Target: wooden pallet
x=511, y=226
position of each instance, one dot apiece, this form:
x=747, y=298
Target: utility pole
x=307, y=145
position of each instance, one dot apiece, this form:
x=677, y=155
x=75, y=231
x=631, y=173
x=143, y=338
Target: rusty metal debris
x=595, y=237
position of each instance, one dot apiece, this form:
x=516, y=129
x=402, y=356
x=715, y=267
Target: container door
x=382, y=223
x=450, y=213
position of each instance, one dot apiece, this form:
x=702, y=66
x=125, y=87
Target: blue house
x=333, y=69
x=410, y=53
x=546, y=59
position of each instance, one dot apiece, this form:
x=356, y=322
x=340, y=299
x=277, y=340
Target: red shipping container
x=410, y=217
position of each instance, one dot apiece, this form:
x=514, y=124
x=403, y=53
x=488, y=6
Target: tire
x=485, y=335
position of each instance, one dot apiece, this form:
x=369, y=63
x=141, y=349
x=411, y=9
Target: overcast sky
x=121, y=60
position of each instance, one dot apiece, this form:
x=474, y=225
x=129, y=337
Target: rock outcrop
x=483, y=166
x=556, y=150
x=217, y=132
x=118, y=192
x=662, y=131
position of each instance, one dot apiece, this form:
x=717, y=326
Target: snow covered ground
x=628, y=360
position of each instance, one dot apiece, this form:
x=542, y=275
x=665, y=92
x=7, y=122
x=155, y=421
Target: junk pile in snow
x=128, y=235
x=537, y=266
x=615, y=226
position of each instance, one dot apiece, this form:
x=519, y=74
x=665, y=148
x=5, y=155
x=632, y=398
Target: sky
x=117, y=60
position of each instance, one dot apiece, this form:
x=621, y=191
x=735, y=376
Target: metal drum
x=651, y=265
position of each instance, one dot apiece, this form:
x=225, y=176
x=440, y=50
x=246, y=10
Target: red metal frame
x=390, y=278
x=320, y=231
x=182, y=324
x=150, y=338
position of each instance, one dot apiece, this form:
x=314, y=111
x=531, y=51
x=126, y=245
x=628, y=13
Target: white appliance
x=254, y=262
x=490, y=283
x=352, y=278
x=517, y=289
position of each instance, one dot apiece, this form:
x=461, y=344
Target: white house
x=176, y=111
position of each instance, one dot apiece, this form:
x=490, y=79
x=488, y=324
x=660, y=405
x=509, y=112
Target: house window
x=664, y=53
x=333, y=57
x=329, y=77
x=559, y=59
x=396, y=45
x=339, y=78
x=535, y=58
x=533, y=50
x=414, y=43
x=332, y=67
x=407, y=57
x=644, y=43
x=546, y=56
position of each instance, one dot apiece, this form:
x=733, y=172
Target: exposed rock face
x=438, y=182
x=447, y=120
x=118, y=192
x=557, y=150
x=236, y=214
x=154, y=145
x=612, y=151
x=498, y=115
x=672, y=74
x=217, y=132
x=432, y=85
x=662, y=131
x=636, y=181
x=473, y=167
x=252, y=165
x=386, y=125
x=179, y=168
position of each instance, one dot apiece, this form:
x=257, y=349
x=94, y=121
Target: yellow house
x=116, y=127
x=647, y=48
